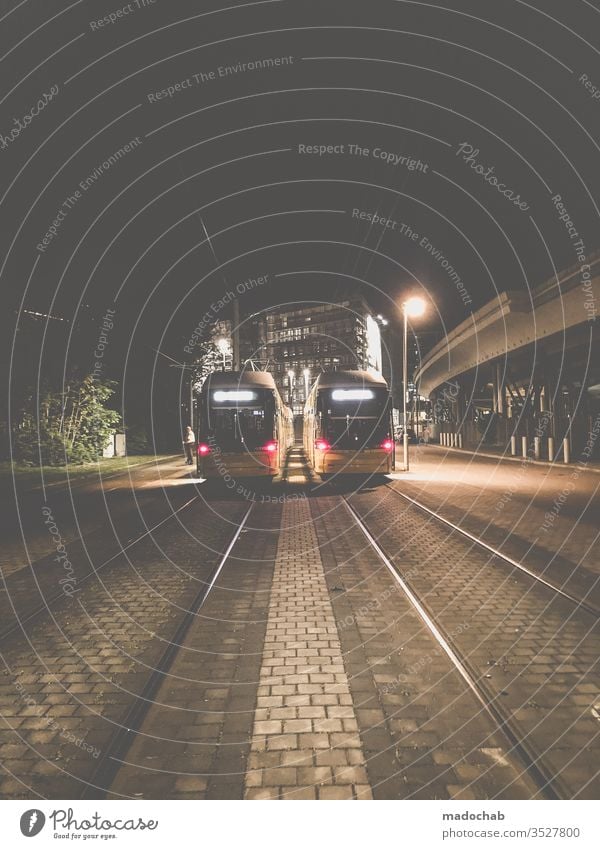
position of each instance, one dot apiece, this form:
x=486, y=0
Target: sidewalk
x=492, y=453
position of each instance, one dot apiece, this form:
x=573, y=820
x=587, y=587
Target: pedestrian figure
x=189, y=443
x=426, y=435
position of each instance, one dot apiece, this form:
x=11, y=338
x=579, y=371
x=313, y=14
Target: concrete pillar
x=236, y=335
x=513, y=446
x=499, y=390
x=537, y=447
x=566, y=450
x=551, y=448
x=524, y=446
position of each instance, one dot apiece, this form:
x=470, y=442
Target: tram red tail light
x=387, y=445
x=271, y=447
x=203, y=449
x=322, y=445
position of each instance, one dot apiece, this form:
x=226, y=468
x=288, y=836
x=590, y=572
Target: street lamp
x=413, y=308
x=223, y=346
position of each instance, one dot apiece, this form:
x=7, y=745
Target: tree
x=72, y=425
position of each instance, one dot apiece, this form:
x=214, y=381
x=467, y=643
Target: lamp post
x=291, y=380
x=306, y=374
x=223, y=347
x=412, y=308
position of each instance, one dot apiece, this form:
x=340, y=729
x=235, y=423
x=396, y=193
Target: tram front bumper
x=232, y=466
x=369, y=461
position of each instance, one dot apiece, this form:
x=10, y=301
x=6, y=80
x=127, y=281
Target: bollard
x=566, y=450
x=460, y=443
x=524, y=446
x=513, y=446
x=441, y=438
x=537, y=450
x=551, y=448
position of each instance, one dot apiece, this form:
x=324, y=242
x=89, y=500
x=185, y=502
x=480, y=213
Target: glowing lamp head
x=414, y=307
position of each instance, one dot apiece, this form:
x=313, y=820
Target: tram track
x=87, y=662
x=545, y=775
x=115, y=751
x=45, y=608
x=515, y=564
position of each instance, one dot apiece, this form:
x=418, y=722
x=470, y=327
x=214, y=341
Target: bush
x=70, y=426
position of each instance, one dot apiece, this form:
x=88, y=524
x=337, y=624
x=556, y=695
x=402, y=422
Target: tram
x=244, y=428
x=348, y=424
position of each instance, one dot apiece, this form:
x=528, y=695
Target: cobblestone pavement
x=98, y=510
x=195, y=742
x=305, y=743
x=306, y=673
x=68, y=564
x=537, y=653
x=424, y=736
x=72, y=675
x=548, y=516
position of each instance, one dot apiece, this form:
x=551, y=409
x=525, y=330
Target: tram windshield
x=355, y=419
x=244, y=422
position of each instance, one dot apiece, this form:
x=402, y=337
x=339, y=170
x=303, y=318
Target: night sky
x=400, y=101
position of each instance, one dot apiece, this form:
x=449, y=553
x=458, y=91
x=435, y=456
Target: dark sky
x=408, y=79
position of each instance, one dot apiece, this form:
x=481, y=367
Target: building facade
x=295, y=345
x=304, y=341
